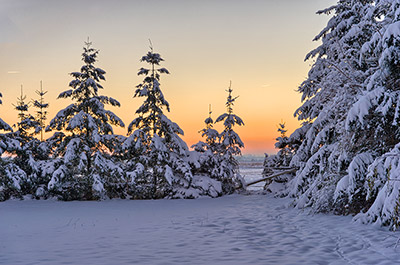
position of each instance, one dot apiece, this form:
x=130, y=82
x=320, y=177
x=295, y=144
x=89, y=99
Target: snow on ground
x=237, y=229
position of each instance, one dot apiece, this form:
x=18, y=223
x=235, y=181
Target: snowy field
x=238, y=229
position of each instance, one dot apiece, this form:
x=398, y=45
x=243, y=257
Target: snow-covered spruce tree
x=205, y=161
x=83, y=147
x=157, y=156
x=11, y=176
x=283, y=157
x=285, y=152
x=332, y=87
x=27, y=125
x=24, y=154
x=229, y=146
x=375, y=118
x=211, y=136
x=279, y=162
x=208, y=157
x=40, y=161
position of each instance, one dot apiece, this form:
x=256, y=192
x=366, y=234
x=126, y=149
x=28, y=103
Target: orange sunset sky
x=258, y=44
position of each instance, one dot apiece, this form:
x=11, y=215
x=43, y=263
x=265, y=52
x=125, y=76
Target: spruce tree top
x=151, y=118
x=87, y=114
x=26, y=121
x=86, y=83
x=21, y=106
x=230, y=118
x=210, y=134
x=41, y=106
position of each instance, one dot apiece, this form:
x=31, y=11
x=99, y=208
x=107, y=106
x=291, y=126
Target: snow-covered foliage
x=347, y=144
x=86, y=142
x=332, y=87
x=376, y=113
x=157, y=156
x=383, y=185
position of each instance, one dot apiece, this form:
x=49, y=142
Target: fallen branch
x=281, y=168
x=292, y=170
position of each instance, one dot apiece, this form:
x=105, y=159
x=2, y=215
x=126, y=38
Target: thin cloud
x=13, y=72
